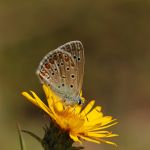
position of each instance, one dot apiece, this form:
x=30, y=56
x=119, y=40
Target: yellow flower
x=86, y=123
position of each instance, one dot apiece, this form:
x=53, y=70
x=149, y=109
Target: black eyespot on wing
x=62, y=63
x=55, y=57
x=74, y=57
x=71, y=86
x=67, y=69
x=53, y=73
x=79, y=58
x=72, y=76
x=63, y=84
x=60, y=55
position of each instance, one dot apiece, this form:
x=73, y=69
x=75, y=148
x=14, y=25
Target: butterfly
x=62, y=70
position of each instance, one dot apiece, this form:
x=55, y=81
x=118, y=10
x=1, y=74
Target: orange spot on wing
x=47, y=66
x=51, y=61
x=66, y=58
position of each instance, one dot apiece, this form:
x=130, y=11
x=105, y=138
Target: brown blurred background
x=116, y=37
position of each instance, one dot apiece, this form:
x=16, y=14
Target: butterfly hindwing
x=55, y=70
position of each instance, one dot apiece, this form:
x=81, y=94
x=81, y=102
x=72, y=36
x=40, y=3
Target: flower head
x=86, y=123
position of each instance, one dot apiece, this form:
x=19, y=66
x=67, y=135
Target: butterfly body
x=62, y=70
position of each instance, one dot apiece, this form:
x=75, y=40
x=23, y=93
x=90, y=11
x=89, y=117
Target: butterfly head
x=78, y=100
x=73, y=101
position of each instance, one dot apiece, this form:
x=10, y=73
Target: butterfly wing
x=75, y=48
x=60, y=70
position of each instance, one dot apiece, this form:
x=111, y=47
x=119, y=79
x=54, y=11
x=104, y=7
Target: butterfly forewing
x=62, y=69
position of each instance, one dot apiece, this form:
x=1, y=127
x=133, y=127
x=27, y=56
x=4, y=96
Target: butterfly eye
x=79, y=102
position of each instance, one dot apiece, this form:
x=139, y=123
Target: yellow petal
x=74, y=138
x=105, y=120
x=99, y=127
x=82, y=98
x=97, y=135
x=113, y=135
x=101, y=132
x=47, y=91
x=78, y=109
x=81, y=93
x=74, y=109
x=29, y=97
x=95, y=114
x=94, y=117
x=59, y=106
x=89, y=139
x=87, y=108
x=41, y=104
x=108, y=142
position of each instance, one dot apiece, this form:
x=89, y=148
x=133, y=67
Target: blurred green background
x=116, y=37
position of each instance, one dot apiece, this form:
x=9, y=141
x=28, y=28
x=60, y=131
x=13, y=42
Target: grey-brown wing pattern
x=75, y=48
x=62, y=69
